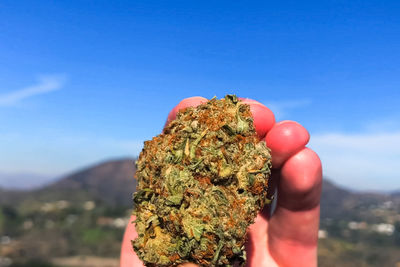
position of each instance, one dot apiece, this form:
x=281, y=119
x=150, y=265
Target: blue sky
x=84, y=81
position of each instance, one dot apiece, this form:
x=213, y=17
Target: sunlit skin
x=288, y=237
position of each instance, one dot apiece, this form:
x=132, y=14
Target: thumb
x=188, y=265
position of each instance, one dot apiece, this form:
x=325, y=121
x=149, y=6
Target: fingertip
x=285, y=139
x=187, y=102
x=302, y=171
x=263, y=117
x=301, y=180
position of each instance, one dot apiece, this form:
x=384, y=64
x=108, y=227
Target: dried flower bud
x=201, y=183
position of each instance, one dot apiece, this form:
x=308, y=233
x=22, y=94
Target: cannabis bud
x=201, y=183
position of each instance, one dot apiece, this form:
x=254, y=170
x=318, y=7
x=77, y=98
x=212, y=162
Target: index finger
x=263, y=118
x=193, y=101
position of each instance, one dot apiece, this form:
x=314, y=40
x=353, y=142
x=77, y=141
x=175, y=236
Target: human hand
x=288, y=237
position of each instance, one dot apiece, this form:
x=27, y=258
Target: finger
x=128, y=256
x=294, y=225
x=295, y=233
x=263, y=118
x=257, y=239
x=256, y=243
x=193, y=101
x=285, y=139
x=300, y=181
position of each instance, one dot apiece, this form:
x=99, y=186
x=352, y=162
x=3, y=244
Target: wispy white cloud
x=285, y=107
x=384, y=125
x=45, y=84
x=360, y=161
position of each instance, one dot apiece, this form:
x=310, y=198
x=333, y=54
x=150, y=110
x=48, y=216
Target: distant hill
x=332, y=198
x=337, y=202
x=396, y=193
x=110, y=182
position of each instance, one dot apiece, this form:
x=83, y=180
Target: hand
x=288, y=237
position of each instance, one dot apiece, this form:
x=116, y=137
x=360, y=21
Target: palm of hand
x=289, y=236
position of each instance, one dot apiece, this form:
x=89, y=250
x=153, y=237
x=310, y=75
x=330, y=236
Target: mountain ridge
x=112, y=182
